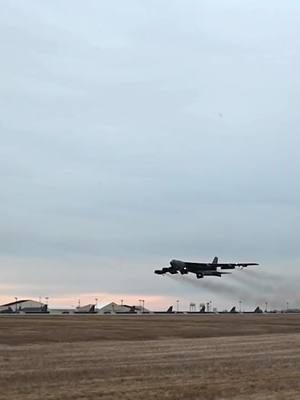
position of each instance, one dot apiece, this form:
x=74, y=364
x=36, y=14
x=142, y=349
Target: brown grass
x=150, y=357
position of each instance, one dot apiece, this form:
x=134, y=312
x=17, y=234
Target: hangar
x=114, y=308
x=31, y=306
x=89, y=308
x=24, y=306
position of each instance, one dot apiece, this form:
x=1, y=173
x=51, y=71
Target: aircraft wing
x=164, y=270
x=196, y=265
x=234, y=265
x=220, y=265
x=245, y=264
x=161, y=271
x=200, y=269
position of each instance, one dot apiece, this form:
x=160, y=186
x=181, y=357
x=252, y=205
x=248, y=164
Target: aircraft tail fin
x=215, y=260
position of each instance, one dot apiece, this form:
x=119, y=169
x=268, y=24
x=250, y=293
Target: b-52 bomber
x=200, y=269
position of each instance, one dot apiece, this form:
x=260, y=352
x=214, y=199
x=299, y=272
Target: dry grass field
x=150, y=357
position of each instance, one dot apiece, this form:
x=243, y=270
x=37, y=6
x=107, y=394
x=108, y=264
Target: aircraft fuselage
x=200, y=269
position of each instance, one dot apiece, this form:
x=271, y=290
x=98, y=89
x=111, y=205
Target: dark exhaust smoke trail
x=254, y=291
x=265, y=286
x=209, y=284
x=255, y=282
x=258, y=275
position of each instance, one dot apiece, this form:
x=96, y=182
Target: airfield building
x=89, y=308
x=24, y=306
x=114, y=308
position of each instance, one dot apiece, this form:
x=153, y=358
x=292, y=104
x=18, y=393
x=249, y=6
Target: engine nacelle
x=213, y=273
x=184, y=271
x=217, y=274
x=158, y=272
x=229, y=266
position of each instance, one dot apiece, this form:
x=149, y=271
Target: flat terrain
x=150, y=357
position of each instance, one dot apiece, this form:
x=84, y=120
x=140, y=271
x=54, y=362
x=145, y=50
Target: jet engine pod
x=184, y=271
x=158, y=272
x=229, y=266
x=162, y=271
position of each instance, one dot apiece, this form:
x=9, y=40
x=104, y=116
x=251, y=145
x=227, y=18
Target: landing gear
x=199, y=276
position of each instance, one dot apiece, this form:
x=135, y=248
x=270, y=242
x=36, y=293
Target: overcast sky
x=135, y=132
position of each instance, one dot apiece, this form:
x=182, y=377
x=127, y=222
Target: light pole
x=121, y=302
x=16, y=304
x=177, y=305
x=96, y=302
x=266, y=303
x=240, y=303
x=287, y=306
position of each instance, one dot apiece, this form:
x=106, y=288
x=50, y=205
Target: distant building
x=6, y=309
x=24, y=306
x=89, y=308
x=114, y=308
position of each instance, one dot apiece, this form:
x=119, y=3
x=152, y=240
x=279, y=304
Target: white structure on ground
x=25, y=306
x=32, y=306
x=114, y=308
x=89, y=308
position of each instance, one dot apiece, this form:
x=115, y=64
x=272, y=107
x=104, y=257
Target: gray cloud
x=144, y=131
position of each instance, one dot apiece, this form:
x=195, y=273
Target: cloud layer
x=139, y=132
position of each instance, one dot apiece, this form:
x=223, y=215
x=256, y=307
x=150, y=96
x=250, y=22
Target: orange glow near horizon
x=72, y=301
